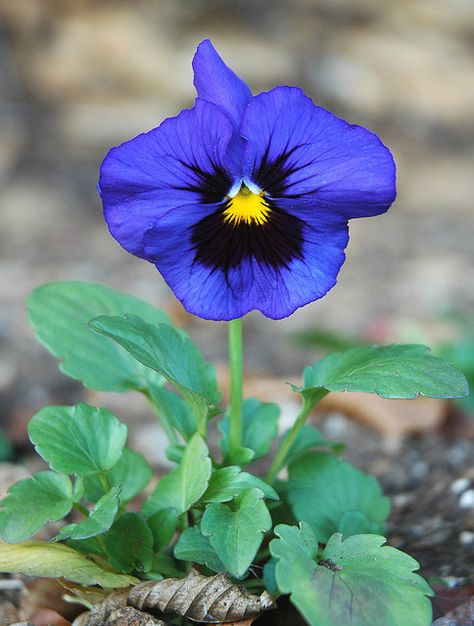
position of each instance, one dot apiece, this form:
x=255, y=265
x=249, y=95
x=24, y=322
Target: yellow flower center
x=247, y=207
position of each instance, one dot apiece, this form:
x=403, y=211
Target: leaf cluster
x=317, y=535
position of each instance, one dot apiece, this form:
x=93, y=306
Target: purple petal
x=143, y=179
x=217, y=83
x=317, y=161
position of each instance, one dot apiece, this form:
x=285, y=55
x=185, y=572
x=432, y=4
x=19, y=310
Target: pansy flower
x=243, y=202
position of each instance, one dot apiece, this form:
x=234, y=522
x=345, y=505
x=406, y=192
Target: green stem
x=280, y=457
x=80, y=507
x=236, y=384
x=105, y=482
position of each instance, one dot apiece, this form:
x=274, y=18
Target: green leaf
x=59, y=313
x=176, y=411
x=236, y=532
x=396, y=371
x=130, y=544
x=184, y=485
x=33, y=502
x=228, y=482
x=99, y=521
x=269, y=577
x=162, y=525
x=163, y=349
x=164, y=566
x=78, y=439
x=5, y=447
x=55, y=560
x=193, y=546
x=322, y=491
x=131, y=473
x=309, y=438
x=260, y=427
x=356, y=583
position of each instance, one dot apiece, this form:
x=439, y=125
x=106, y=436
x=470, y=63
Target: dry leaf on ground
x=394, y=417
x=48, y=617
x=461, y=616
x=210, y=599
x=449, y=598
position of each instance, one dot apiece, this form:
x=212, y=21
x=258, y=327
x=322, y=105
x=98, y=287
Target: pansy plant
x=242, y=202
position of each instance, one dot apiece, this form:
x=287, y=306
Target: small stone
x=456, y=455
x=466, y=538
x=419, y=471
x=402, y=500
x=459, y=485
x=466, y=501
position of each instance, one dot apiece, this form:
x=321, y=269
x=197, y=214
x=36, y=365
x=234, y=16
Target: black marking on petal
x=222, y=245
x=272, y=175
x=211, y=186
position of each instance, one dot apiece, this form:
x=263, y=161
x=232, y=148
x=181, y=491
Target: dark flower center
x=248, y=225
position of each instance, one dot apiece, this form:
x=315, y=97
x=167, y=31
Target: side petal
x=307, y=155
x=217, y=83
x=229, y=290
x=180, y=162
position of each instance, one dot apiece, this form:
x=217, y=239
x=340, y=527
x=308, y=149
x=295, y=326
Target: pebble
x=419, y=470
x=466, y=538
x=459, y=485
x=466, y=501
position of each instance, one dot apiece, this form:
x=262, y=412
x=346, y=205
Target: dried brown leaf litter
x=209, y=599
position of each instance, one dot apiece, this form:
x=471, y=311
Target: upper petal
x=307, y=155
x=217, y=83
x=181, y=162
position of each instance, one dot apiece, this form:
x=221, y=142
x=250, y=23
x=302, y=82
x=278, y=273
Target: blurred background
x=80, y=76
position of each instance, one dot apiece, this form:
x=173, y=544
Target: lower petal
x=232, y=289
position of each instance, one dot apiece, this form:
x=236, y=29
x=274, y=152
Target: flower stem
x=309, y=402
x=236, y=384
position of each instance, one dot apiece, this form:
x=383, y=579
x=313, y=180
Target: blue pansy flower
x=242, y=202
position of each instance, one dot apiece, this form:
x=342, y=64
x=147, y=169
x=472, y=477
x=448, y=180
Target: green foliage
x=332, y=496
x=228, y=482
x=176, y=411
x=131, y=474
x=357, y=582
x=79, y=439
x=129, y=543
x=184, y=485
x=204, y=511
x=55, y=560
x=59, y=313
x=260, y=427
x=397, y=371
x=165, y=350
x=5, y=447
x=309, y=438
x=33, y=502
x=99, y=521
x=235, y=532
x=193, y=546
x=163, y=525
